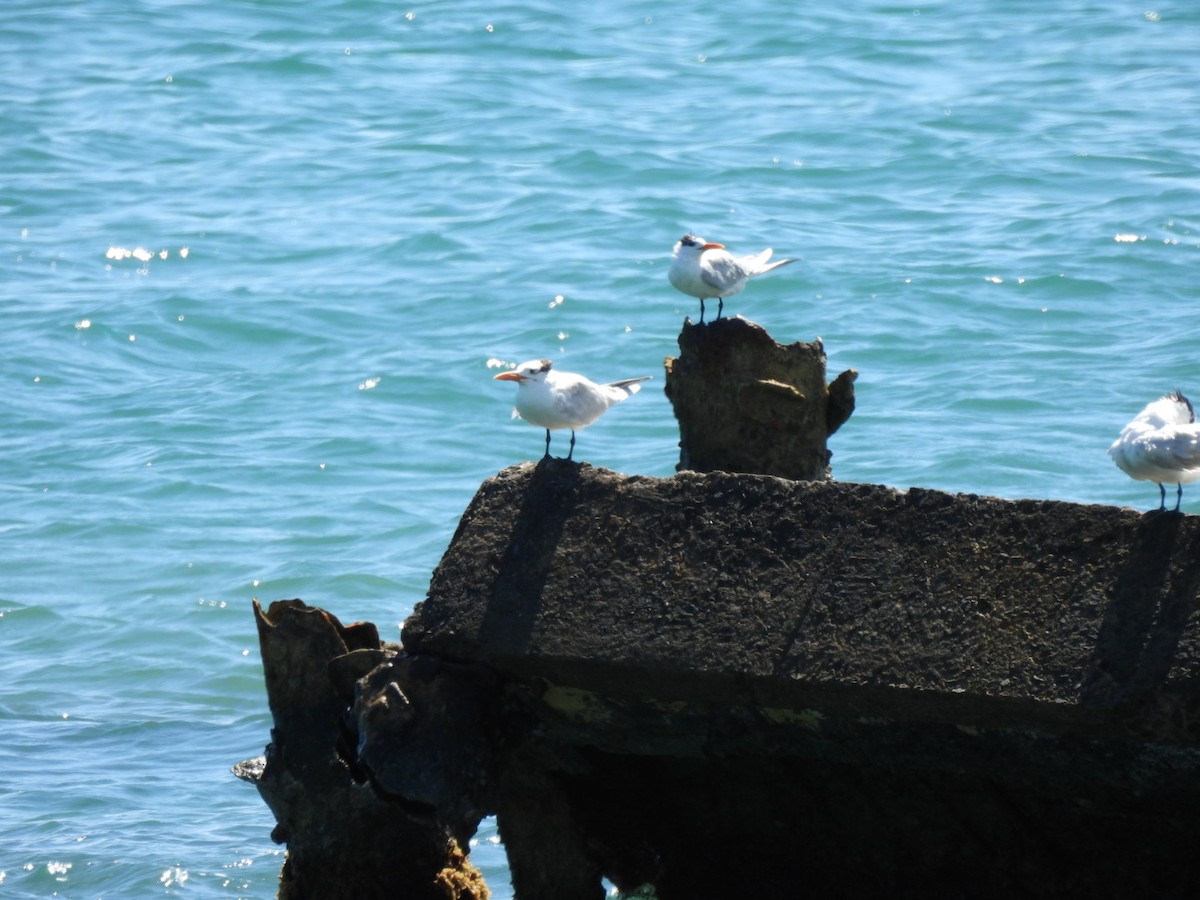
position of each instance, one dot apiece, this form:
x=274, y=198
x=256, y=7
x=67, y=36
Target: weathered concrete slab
x=919, y=694
x=864, y=691
x=908, y=602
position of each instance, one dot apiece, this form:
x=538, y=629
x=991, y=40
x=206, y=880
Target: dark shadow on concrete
x=1153, y=599
x=516, y=600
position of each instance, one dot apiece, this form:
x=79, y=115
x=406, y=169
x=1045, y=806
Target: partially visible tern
x=705, y=270
x=553, y=400
x=1161, y=444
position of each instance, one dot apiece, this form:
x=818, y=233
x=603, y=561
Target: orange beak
x=508, y=376
x=704, y=247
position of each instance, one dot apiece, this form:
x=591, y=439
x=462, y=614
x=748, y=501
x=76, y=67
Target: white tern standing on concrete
x=1161, y=444
x=553, y=400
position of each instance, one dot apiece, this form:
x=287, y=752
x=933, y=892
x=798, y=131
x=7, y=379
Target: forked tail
x=629, y=385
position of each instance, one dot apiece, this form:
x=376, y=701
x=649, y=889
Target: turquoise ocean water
x=262, y=259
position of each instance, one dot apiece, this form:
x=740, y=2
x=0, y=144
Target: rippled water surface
x=262, y=259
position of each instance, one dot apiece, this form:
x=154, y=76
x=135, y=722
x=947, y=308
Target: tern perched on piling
x=705, y=270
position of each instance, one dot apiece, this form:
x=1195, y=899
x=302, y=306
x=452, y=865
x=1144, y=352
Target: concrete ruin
x=739, y=685
x=745, y=403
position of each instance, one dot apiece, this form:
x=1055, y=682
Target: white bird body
x=1161, y=444
x=555, y=400
x=705, y=270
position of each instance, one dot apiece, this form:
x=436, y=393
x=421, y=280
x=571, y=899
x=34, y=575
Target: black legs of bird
x=720, y=309
x=570, y=452
x=1162, y=492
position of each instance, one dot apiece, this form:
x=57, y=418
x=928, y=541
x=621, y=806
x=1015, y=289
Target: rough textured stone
x=956, y=687
x=748, y=404
x=736, y=685
x=1038, y=602
x=344, y=838
x=744, y=686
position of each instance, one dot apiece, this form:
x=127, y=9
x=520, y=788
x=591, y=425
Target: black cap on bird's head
x=691, y=240
x=1179, y=398
x=526, y=370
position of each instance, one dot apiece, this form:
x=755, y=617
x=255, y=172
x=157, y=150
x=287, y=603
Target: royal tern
x=1161, y=444
x=705, y=270
x=552, y=399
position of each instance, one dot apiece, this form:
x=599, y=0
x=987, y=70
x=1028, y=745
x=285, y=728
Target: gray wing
x=1177, y=451
x=722, y=274
x=586, y=404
